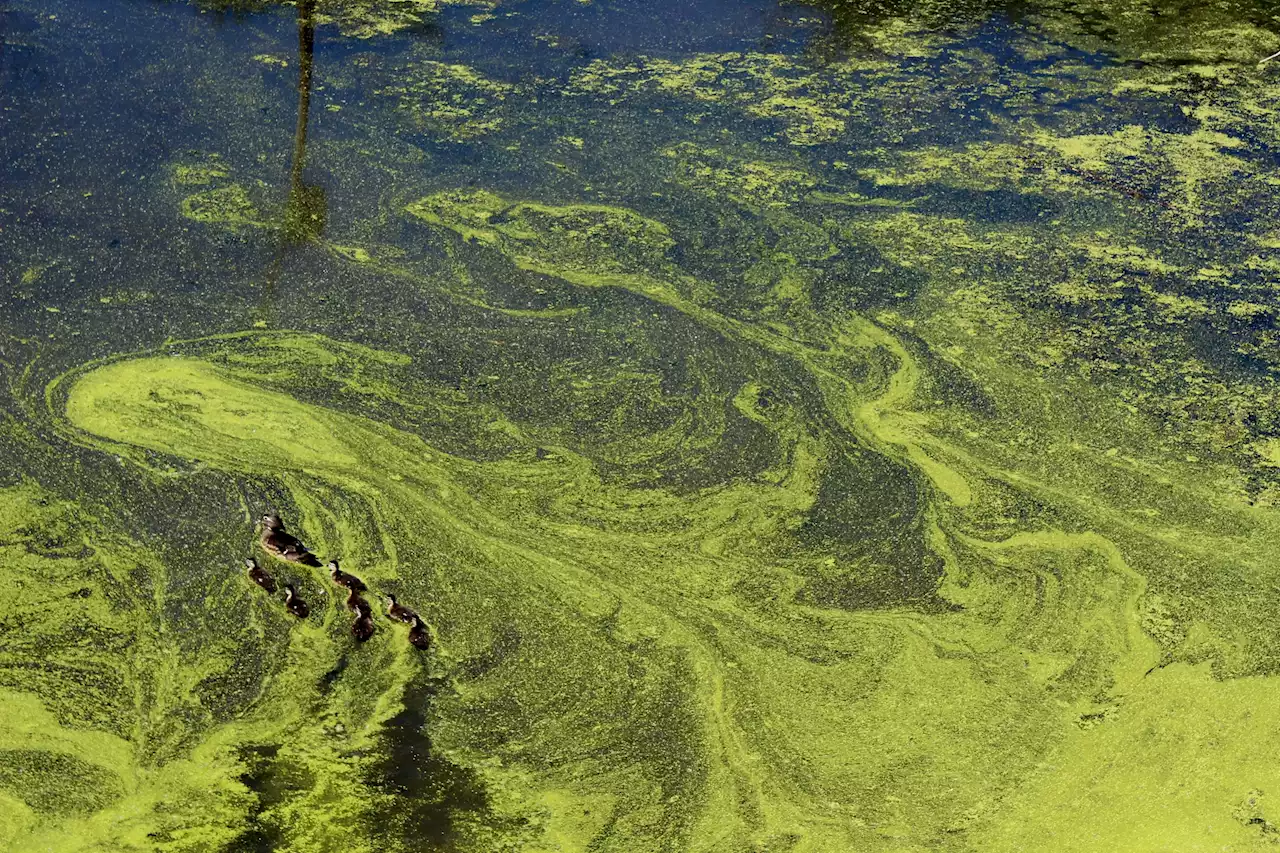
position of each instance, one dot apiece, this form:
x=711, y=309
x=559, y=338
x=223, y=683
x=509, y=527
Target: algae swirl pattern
x=823, y=452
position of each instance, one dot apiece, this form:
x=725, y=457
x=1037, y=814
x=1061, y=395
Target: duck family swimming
x=279, y=543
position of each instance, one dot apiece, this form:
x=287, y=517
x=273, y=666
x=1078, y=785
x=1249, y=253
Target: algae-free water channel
x=797, y=427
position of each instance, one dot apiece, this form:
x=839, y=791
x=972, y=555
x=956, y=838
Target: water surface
x=803, y=427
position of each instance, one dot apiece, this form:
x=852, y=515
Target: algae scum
x=805, y=428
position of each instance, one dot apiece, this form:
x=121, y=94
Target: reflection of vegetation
x=305, y=213
x=306, y=209
x=1129, y=28
x=356, y=18
x=852, y=22
x=370, y=18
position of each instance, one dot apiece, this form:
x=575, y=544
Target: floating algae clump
x=189, y=407
x=200, y=174
x=92, y=692
x=229, y=206
x=455, y=101
x=750, y=182
x=365, y=19
x=764, y=85
x=586, y=244
x=312, y=715
x=1159, y=759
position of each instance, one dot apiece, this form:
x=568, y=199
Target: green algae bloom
x=871, y=445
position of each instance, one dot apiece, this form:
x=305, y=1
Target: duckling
x=419, y=635
x=259, y=575
x=278, y=542
x=362, y=629
x=359, y=605
x=341, y=578
x=399, y=612
x=294, y=604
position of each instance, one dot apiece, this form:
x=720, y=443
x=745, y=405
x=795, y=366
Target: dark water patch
x=862, y=278
x=1218, y=345
x=996, y=206
x=15, y=22
x=427, y=794
x=950, y=382
x=668, y=27
x=868, y=516
x=57, y=784
x=272, y=782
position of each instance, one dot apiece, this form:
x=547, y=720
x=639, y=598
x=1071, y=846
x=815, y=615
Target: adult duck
x=282, y=544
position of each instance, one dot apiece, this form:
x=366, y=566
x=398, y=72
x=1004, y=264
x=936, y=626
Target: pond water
x=829, y=427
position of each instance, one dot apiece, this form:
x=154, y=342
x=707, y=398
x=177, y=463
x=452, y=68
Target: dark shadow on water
x=429, y=792
x=331, y=677
x=272, y=782
x=425, y=794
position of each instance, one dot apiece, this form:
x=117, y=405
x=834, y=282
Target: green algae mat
x=810, y=428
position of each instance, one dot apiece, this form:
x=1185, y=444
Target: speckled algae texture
x=665, y=663
x=810, y=506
